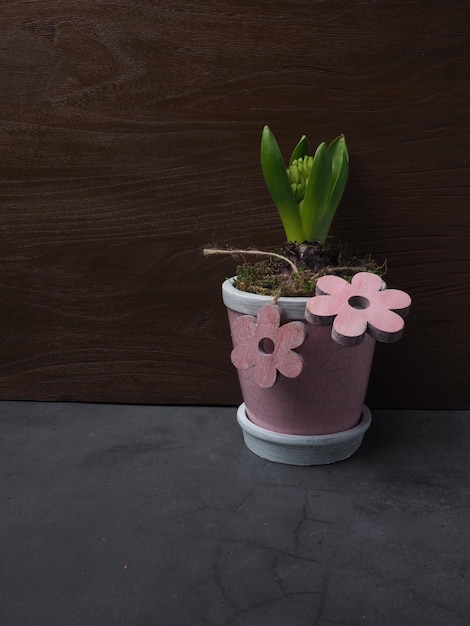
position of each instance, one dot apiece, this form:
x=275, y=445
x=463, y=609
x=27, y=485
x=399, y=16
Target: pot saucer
x=302, y=449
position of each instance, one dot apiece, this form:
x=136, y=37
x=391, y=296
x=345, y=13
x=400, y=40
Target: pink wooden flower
x=261, y=342
x=357, y=308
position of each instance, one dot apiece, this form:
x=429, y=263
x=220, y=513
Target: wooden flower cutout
x=358, y=308
x=261, y=342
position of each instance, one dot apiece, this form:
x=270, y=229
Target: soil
x=276, y=277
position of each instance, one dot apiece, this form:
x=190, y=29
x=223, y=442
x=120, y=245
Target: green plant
x=307, y=192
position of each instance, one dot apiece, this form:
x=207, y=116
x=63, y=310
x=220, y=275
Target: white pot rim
x=293, y=308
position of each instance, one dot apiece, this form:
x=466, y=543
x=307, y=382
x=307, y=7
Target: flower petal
x=366, y=283
x=291, y=335
x=244, y=355
x=327, y=285
x=395, y=300
x=323, y=309
x=384, y=325
x=350, y=326
x=244, y=327
x=265, y=372
x=268, y=321
x=291, y=364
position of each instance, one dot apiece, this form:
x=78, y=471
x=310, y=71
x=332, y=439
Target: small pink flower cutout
x=261, y=342
x=358, y=308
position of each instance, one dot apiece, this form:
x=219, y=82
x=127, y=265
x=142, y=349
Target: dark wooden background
x=129, y=139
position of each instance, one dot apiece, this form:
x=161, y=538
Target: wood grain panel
x=129, y=135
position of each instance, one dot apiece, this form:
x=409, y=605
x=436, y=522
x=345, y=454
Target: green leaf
x=338, y=147
x=301, y=150
x=338, y=152
x=275, y=175
x=316, y=195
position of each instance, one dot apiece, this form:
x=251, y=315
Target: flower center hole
x=266, y=345
x=359, y=302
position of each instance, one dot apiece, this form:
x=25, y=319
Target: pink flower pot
x=328, y=395
x=297, y=420
x=304, y=364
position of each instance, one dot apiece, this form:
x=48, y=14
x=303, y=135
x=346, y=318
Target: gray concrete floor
x=140, y=515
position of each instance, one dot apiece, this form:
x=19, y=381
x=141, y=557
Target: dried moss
x=274, y=277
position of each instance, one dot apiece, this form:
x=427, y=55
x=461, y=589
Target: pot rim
x=293, y=308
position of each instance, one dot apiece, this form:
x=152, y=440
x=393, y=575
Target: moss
x=272, y=276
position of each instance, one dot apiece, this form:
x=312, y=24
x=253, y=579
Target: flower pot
x=327, y=397
x=304, y=384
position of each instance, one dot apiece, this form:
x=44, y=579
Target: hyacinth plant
x=307, y=192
